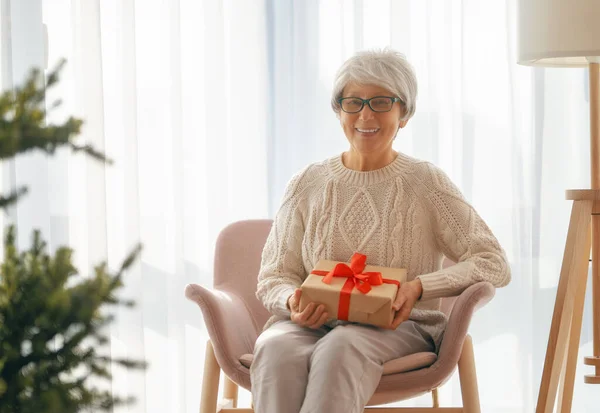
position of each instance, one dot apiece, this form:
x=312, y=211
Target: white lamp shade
x=558, y=32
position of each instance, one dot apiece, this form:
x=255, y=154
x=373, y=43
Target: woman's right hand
x=313, y=316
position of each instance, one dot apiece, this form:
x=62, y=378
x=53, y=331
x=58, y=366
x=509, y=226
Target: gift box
x=355, y=291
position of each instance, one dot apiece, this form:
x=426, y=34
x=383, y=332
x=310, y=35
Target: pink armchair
x=234, y=319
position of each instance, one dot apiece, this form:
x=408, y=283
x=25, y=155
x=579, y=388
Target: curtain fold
x=209, y=107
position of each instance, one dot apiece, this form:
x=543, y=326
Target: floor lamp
x=566, y=33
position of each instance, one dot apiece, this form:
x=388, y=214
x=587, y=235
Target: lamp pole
x=595, y=170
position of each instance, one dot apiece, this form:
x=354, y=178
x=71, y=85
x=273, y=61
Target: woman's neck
x=359, y=162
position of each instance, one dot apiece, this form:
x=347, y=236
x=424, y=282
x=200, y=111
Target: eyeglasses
x=377, y=104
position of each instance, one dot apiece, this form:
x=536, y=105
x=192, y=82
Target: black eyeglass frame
x=368, y=102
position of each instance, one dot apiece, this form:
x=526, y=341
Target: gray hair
x=384, y=68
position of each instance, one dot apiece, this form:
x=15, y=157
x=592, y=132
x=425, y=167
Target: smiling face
x=371, y=133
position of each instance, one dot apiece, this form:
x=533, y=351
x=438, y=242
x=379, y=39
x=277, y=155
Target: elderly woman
x=399, y=211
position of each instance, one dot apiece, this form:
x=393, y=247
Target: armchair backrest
x=237, y=262
x=238, y=254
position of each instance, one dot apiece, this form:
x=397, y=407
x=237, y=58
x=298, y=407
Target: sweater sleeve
x=282, y=269
x=463, y=237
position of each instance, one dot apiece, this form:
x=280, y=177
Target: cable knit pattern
x=359, y=220
x=408, y=214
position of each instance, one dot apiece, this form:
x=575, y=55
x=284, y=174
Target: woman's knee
x=336, y=346
x=279, y=351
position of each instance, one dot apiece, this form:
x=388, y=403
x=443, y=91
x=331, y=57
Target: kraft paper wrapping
x=374, y=307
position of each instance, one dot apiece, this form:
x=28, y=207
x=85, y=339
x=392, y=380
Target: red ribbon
x=356, y=278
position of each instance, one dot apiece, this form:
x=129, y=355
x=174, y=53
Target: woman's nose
x=366, y=113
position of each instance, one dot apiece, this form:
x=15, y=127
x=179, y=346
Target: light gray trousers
x=299, y=370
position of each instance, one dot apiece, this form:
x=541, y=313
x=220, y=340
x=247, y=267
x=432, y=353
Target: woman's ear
x=402, y=124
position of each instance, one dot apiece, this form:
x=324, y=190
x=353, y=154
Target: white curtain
x=208, y=108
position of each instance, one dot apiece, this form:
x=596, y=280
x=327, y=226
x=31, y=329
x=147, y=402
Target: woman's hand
x=406, y=297
x=313, y=316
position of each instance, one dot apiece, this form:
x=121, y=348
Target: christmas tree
x=51, y=319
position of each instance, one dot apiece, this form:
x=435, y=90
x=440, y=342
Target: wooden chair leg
x=210, y=382
x=231, y=391
x=436, y=400
x=468, y=378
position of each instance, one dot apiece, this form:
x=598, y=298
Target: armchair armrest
x=427, y=379
x=474, y=297
x=229, y=324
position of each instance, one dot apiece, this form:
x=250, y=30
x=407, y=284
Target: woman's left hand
x=406, y=297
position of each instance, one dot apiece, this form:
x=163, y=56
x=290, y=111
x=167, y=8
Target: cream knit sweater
x=407, y=214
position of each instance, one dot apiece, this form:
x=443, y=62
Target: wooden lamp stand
x=558, y=376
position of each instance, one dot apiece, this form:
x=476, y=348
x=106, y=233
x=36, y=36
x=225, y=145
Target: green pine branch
x=52, y=320
x=40, y=306
x=23, y=125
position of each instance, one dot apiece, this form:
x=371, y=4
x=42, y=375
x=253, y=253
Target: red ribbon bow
x=356, y=278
